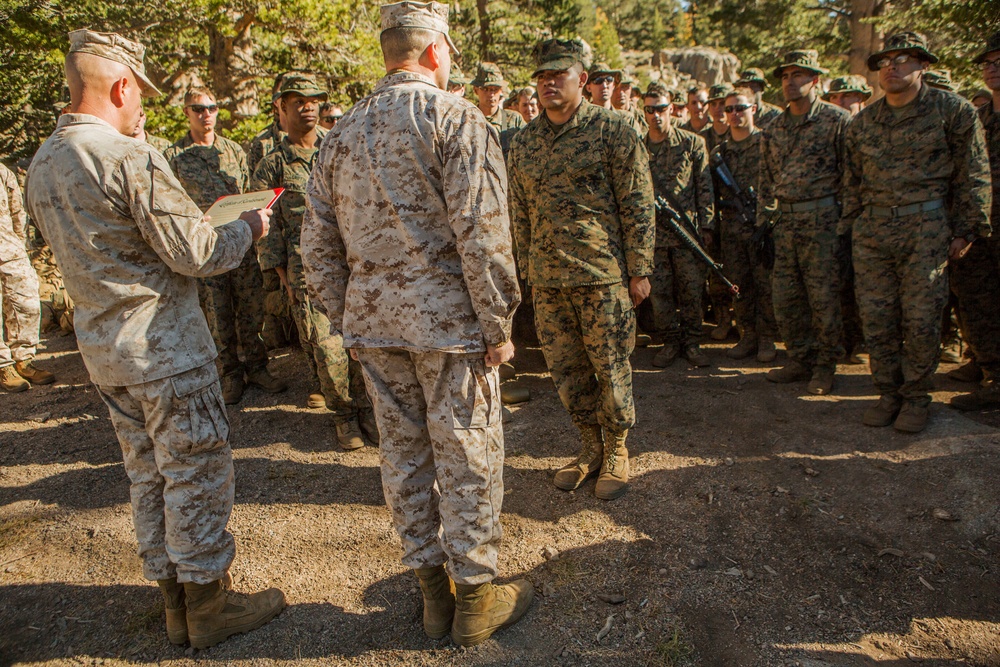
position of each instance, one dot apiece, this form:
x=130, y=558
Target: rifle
x=744, y=202
x=681, y=225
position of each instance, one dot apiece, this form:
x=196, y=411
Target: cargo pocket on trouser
x=475, y=399
x=200, y=418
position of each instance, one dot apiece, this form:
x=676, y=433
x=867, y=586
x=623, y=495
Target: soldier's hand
x=958, y=249
x=498, y=355
x=638, y=290
x=259, y=221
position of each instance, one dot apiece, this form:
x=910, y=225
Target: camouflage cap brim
x=992, y=46
x=115, y=48
x=556, y=65
x=781, y=68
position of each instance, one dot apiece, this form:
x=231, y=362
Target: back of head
x=403, y=45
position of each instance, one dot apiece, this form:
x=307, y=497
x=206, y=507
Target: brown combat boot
x=32, y=373
x=263, y=379
x=884, y=412
x=613, y=482
x=214, y=614
x=987, y=396
x=821, y=382
x=11, y=381
x=482, y=609
x=912, y=418
x=970, y=372
x=439, y=600
x=587, y=464
x=747, y=347
x=173, y=603
x=666, y=356
x=766, y=352
x=349, y=435
x=233, y=387
x=793, y=371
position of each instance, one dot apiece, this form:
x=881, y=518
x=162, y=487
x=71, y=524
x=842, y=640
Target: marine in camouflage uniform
x=19, y=305
x=233, y=301
x=489, y=85
x=802, y=166
x=678, y=164
x=621, y=101
x=289, y=167
x=754, y=311
x=917, y=189
x=125, y=233
x=582, y=212
x=718, y=293
x=976, y=277
x=753, y=78
x=408, y=249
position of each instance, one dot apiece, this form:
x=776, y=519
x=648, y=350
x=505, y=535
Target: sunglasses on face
x=658, y=108
x=202, y=108
x=900, y=59
x=331, y=119
x=736, y=108
x=601, y=80
x=990, y=64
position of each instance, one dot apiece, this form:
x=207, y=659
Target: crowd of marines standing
x=414, y=224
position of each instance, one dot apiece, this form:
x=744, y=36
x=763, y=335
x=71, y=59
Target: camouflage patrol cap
x=426, y=15
x=807, y=59
x=625, y=77
x=553, y=55
x=852, y=83
x=940, y=79
x=992, y=44
x=720, y=91
x=489, y=74
x=752, y=75
x=114, y=47
x=601, y=67
x=455, y=76
x=903, y=41
x=302, y=83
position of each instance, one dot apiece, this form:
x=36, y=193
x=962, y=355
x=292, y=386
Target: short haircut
x=194, y=93
x=657, y=89
x=326, y=107
x=527, y=91
x=405, y=44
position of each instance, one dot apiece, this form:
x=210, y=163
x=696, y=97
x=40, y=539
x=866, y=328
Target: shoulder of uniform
x=833, y=110
x=229, y=144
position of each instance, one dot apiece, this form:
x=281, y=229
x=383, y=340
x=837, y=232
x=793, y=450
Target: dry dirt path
x=762, y=528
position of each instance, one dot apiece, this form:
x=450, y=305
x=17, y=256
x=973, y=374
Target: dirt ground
x=763, y=527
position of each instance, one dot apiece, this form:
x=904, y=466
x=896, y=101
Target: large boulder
x=697, y=63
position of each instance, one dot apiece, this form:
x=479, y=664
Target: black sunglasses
x=659, y=108
x=202, y=108
x=601, y=80
x=737, y=108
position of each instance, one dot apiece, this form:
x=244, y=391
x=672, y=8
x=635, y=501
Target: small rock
x=811, y=472
x=891, y=552
x=663, y=570
x=949, y=643
x=770, y=570
x=943, y=515
x=550, y=553
x=611, y=598
x=548, y=590
x=780, y=490
x=734, y=572
x=729, y=461
x=40, y=417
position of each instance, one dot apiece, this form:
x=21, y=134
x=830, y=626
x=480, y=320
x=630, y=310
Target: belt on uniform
x=808, y=205
x=909, y=209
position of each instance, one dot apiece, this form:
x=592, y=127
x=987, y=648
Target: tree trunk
x=231, y=66
x=484, y=31
x=865, y=38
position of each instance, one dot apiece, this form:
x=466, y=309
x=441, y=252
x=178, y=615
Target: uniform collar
x=580, y=117
x=885, y=114
x=398, y=77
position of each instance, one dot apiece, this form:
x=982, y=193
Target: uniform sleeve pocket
x=200, y=418
x=476, y=398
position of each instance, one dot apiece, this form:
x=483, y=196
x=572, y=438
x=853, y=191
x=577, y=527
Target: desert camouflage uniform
x=975, y=278
x=801, y=166
x=159, y=143
x=233, y=301
x=933, y=152
x=125, y=233
x=582, y=212
x=262, y=144
x=679, y=168
x=408, y=248
x=19, y=304
x=339, y=376
x=754, y=312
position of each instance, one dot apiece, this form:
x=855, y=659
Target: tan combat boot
x=439, y=600
x=613, y=482
x=173, y=603
x=11, y=381
x=32, y=373
x=214, y=614
x=482, y=609
x=348, y=435
x=587, y=464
